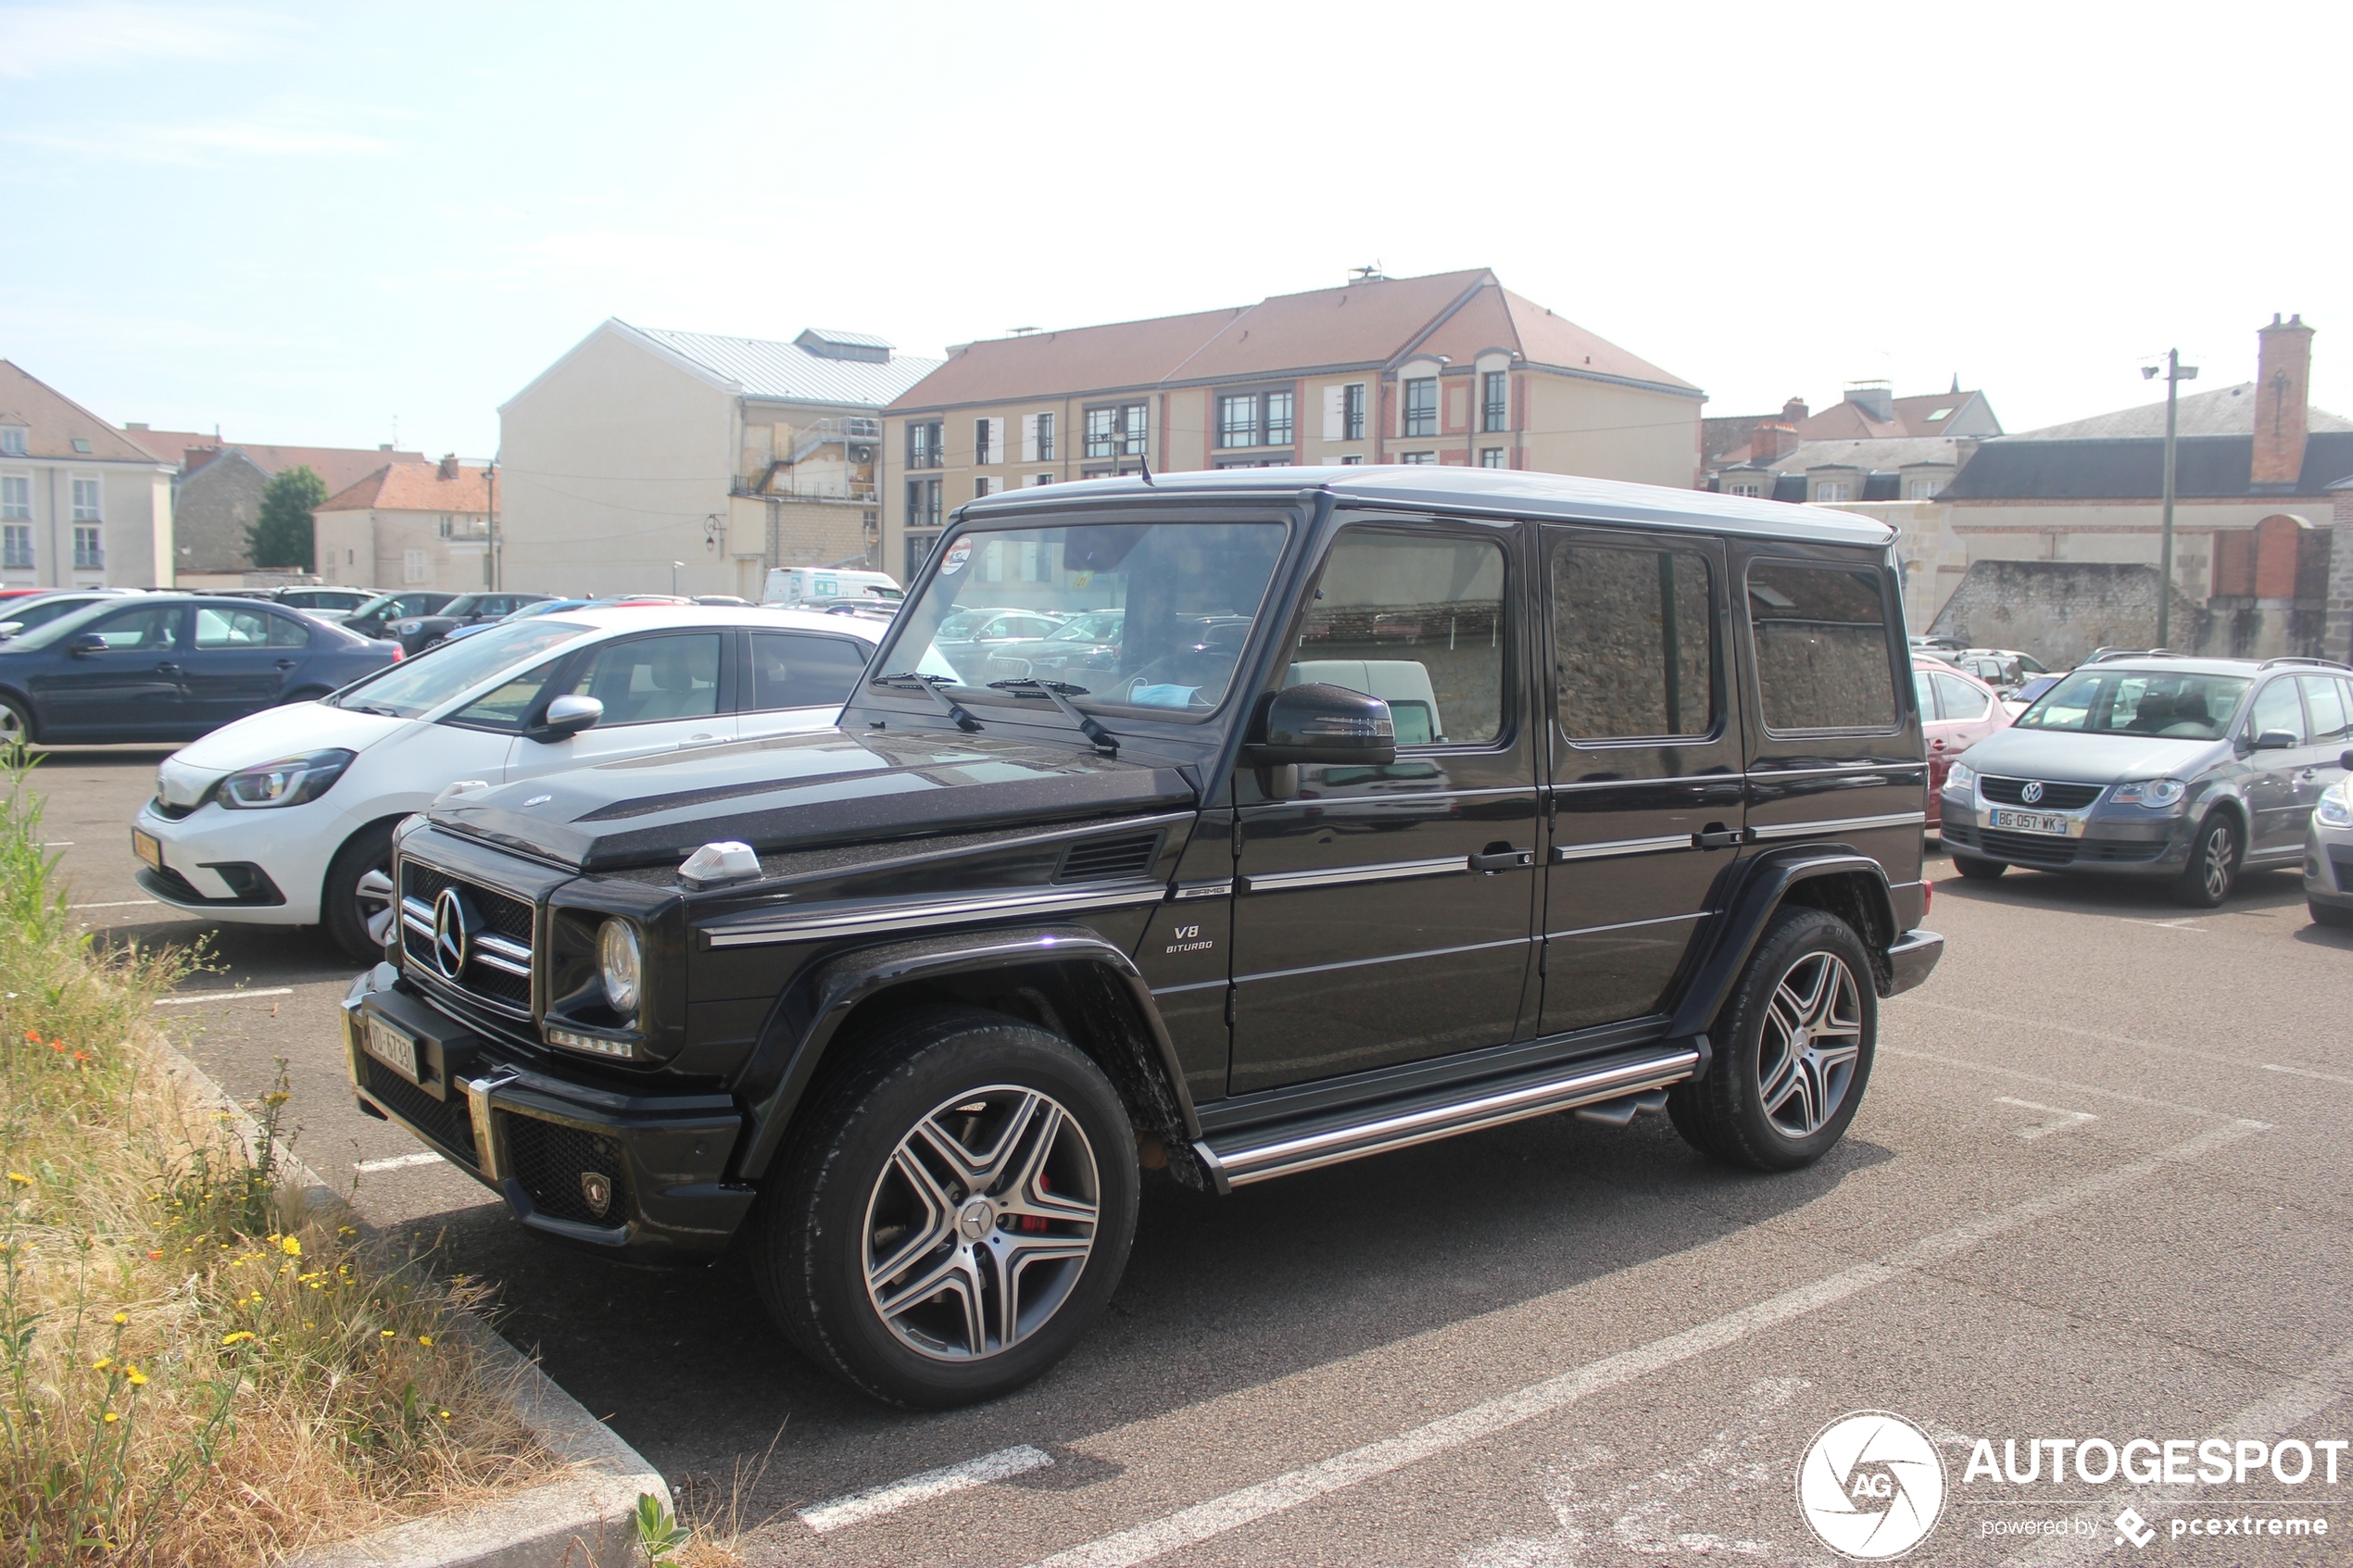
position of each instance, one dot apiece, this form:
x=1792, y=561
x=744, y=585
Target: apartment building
x=81, y=505
x=408, y=525
x=1452, y=367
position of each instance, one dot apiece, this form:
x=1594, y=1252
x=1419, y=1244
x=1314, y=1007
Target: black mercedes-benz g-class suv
x=1408, y=802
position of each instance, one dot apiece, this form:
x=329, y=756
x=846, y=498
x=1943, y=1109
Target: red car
x=1958, y=710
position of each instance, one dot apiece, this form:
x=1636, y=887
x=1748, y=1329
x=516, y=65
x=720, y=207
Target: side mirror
x=85, y=645
x=566, y=717
x=2275, y=740
x=1322, y=725
x=2345, y=761
x=10, y=628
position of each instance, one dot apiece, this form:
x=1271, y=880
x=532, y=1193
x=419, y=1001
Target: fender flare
x=1760, y=890
x=820, y=999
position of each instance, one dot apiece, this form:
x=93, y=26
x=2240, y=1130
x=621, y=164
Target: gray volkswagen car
x=2185, y=770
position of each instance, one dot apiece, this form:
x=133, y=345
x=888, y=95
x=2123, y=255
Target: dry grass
x=196, y=1366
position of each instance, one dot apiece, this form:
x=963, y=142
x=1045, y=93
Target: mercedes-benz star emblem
x=452, y=931
x=2032, y=793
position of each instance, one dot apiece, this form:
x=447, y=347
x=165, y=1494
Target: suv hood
x=825, y=786
x=2091, y=758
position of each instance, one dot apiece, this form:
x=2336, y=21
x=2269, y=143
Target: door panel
x=1645, y=801
x=136, y=687
x=1364, y=932
x=234, y=670
x=2271, y=785
x=2328, y=714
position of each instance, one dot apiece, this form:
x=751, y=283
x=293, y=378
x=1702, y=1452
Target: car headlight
x=1960, y=776
x=290, y=781
x=2336, y=806
x=2149, y=792
x=617, y=965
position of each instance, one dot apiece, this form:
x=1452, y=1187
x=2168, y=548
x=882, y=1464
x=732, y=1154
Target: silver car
x=2328, y=852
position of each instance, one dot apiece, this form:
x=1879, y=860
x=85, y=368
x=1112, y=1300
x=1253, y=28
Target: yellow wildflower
x=20, y=1178
x=426, y=1341
x=387, y=1334
x=121, y=1318
x=102, y=1363
x=291, y=1247
x=112, y=1417
x=134, y=1376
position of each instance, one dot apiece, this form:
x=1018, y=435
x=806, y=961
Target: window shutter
x=997, y=452
x=1029, y=438
x=1334, y=402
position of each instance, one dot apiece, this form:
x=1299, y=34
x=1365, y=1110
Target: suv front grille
x=2055, y=796
x=497, y=968
x=550, y=1159
x=448, y=1122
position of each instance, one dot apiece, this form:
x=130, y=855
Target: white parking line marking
x=117, y=903
x=398, y=1163
x=2191, y=1052
x=225, y=996
x=2062, y=1083
x=58, y=844
x=1205, y=1520
x=857, y=1507
x=2306, y=1072
x=2068, y=1120
x=2162, y=924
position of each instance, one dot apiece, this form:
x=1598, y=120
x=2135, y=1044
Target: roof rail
x=2304, y=658
x=2102, y=656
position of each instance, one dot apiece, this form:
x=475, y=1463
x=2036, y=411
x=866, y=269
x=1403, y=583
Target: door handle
x=167, y=669
x=285, y=664
x=1937, y=744
x=1715, y=838
x=1502, y=858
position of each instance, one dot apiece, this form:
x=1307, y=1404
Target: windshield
x=417, y=686
x=2139, y=702
x=380, y=604
x=462, y=605
x=1186, y=595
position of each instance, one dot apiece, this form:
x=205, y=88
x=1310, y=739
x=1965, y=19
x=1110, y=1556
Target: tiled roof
x=339, y=467
x=788, y=372
x=2226, y=410
x=413, y=487
x=2132, y=467
x=1373, y=325
x=54, y=423
x=1874, y=454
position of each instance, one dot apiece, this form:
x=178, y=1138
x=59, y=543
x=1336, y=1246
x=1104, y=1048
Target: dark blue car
x=169, y=667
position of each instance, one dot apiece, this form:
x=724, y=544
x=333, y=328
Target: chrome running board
x=1629, y=1079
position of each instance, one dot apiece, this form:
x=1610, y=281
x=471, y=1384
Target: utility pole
x=497, y=567
x=2175, y=373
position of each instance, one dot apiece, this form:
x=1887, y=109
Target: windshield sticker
x=954, y=561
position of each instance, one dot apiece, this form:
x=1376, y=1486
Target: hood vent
x=1102, y=860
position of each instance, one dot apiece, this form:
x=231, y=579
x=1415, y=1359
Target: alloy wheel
x=2214, y=869
x=374, y=897
x=11, y=726
x=1811, y=1039
x=981, y=1223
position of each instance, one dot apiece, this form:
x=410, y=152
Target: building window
x=89, y=548
x=980, y=488
x=413, y=566
x=1278, y=419
x=919, y=549
x=16, y=497
x=1919, y=489
x=1041, y=479
x=1045, y=438
x=1417, y=457
x=1038, y=438
x=1352, y=411
x=82, y=444
x=15, y=546
x=1834, y=490
x=923, y=503
x=85, y=501
x=1353, y=460
x=982, y=446
x=1495, y=406
x=1116, y=431
x=1490, y=456
x=924, y=445
x=1745, y=487
x=1421, y=406
x=1237, y=420
x=447, y=529
x=12, y=441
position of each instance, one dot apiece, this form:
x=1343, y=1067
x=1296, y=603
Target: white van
x=814, y=587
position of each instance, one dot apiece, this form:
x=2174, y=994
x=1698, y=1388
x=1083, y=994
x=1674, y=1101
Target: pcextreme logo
x=1872, y=1485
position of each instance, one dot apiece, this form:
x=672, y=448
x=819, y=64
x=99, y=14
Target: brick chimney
x=1795, y=411
x=449, y=465
x=2282, y=379
x=1771, y=441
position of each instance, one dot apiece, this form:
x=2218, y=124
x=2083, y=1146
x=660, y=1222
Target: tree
x=281, y=536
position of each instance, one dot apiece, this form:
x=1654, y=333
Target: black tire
x=2214, y=863
x=2329, y=914
x=812, y=1240
x=16, y=725
x=342, y=907
x=1729, y=1114
x=1979, y=870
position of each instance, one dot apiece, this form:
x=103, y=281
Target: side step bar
x=1629, y=1079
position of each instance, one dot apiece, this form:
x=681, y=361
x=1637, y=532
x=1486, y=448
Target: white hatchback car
x=285, y=818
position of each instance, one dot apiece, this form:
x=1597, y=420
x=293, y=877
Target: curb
x=583, y=1519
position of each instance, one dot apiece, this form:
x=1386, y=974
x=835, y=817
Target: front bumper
x=640, y=1175
x=274, y=861
x=2103, y=840
x=2328, y=864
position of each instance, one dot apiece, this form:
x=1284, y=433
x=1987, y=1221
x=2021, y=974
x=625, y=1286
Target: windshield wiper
x=1104, y=741
x=955, y=709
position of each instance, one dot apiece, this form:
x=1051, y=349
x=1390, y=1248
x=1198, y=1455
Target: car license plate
x=147, y=847
x=390, y=1047
x=2029, y=821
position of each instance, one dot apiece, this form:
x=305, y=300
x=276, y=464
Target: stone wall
x=2061, y=611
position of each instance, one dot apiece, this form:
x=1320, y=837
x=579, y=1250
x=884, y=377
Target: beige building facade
x=408, y=525
x=646, y=457
x=81, y=505
x=1451, y=368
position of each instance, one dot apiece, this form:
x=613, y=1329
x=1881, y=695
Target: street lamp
x=2175, y=373
x=673, y=576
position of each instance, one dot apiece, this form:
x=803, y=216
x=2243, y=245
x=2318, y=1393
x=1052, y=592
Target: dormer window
x=12, y=441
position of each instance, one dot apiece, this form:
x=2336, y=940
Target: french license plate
x=147, y=847
x=390, y=1047
x=2029, y=821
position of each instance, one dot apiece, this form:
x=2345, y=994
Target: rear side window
x=796, y=670
x=1633, y=643
x=1821, y=638
x=1959, y=698
x=2324, y=695
x=218, y=628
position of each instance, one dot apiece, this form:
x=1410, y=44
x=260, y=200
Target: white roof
x=788, y=372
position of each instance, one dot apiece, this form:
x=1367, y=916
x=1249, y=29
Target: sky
x=335, y=224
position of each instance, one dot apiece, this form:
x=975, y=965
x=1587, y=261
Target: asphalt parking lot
x=2098, y=1190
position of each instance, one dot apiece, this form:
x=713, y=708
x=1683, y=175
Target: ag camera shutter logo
x=1872, y=1485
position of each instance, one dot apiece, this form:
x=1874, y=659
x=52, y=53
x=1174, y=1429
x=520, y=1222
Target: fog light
x=624, y=1050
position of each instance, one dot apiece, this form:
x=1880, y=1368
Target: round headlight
x=617, y=964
